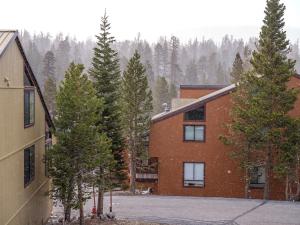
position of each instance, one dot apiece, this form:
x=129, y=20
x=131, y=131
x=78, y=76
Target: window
x=195, y=115
x=194, y=132
x=29, y=107
x=257, y=176
x=193, y=174
x=29, y=165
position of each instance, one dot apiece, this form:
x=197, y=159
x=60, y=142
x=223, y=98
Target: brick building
x=191, y=159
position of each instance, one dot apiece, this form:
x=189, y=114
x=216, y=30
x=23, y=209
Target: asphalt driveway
x=203, y=211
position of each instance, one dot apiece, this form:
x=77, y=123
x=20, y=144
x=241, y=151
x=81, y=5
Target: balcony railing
x=147, y=171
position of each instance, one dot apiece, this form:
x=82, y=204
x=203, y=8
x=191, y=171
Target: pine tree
x=158, y=60
x=263, y=100
x=75, y=156
x=63, y=56
x=288, y=160
x=50, y=81
x=237, y=68
x=191, y=73
x=174, y=67
x=243, y=131
x=161, y=95
x=274, y=100
x=202, y=70
x=221, y=75
x=137, y=108
x=105, y=72
x=165, y=58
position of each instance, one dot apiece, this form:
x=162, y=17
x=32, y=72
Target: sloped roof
x=200, y=101
x=204, y=86
x=7, y=37
x=194, y=104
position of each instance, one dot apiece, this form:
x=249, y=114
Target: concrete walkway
x=203, y=211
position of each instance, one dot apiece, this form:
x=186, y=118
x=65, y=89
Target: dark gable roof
x=11, y=35
x=200, y=101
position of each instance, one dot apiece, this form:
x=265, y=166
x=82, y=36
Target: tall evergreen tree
x=75, y=156
x=158, y=60
x=174, y=66
x=273, y=99
x=50, y=81
x=237, y=68
x=261, y=113
x=137, y=108
x=191, y=73
x=106, y=74
x=63, y=56
x=161, y=95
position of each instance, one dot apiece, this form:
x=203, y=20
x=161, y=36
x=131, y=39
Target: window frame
x=31, y=123
x=204, y=116
x=256, y=185
x=195, y=125
x=183, y=178
x=31, y=165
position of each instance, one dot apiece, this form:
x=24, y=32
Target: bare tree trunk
x=67, y=204
x=67, y=213
x=80, y=199
x=267, y=173
x=287, y=187
x=100, y=202
x=110, y=200
x=132, y=172
x=297, y=197
x=246, y=183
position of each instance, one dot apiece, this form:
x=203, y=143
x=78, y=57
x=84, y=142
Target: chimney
x=166, y=107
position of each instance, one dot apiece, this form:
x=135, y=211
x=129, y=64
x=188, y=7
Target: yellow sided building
x=24, y=137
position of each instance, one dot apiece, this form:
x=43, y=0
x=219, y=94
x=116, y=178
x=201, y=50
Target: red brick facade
x=222, y=176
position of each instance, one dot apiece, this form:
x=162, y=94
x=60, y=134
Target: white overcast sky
x=152, y=18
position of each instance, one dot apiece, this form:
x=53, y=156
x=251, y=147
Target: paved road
x=204, y=211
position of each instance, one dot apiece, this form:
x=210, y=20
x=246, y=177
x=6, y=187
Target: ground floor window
x=29, y=165
x=257, y=176
x=194, y=132
x=193, y=174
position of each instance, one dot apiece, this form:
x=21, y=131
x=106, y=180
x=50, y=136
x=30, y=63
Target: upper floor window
x=195, y=115
x=257, y=176
x=29, y=165
x=29, y=107
x=193, y=174
x=194, y=133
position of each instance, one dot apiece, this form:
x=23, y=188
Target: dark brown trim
x=257, y=186
x=194, y=141
x=31, y=89
x=203, y=87
x=204, y=167
x=32, y=78
x=33, y=178
x=297, y=75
